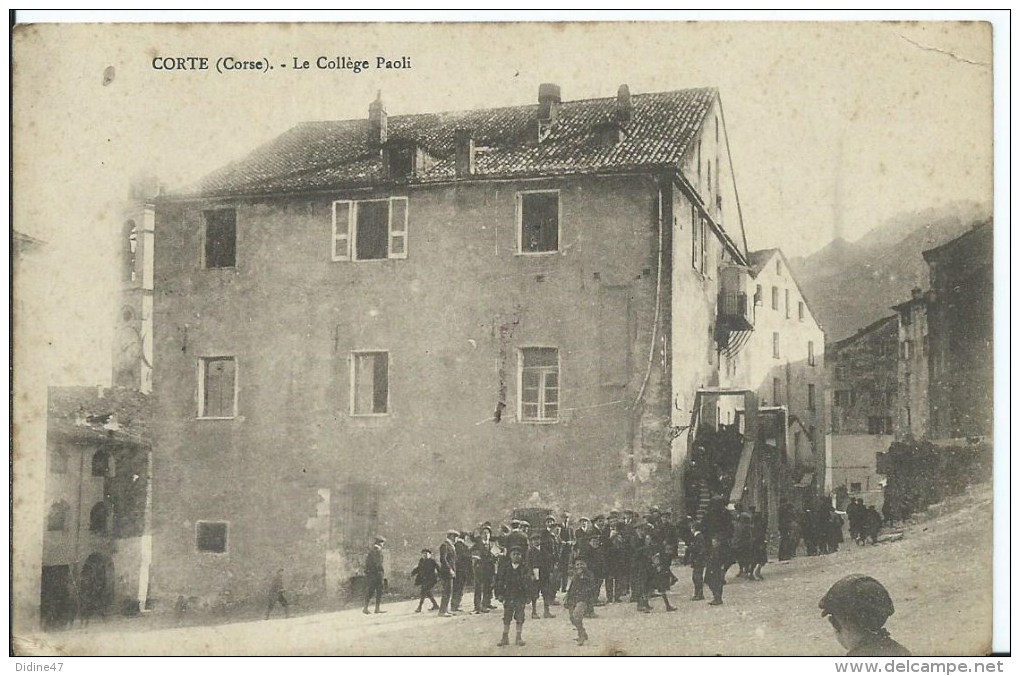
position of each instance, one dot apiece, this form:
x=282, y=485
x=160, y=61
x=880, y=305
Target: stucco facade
x=505, y=371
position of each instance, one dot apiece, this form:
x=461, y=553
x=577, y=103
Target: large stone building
x=946, y=358
x=399, y=324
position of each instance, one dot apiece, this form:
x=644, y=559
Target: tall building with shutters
x=401, y=324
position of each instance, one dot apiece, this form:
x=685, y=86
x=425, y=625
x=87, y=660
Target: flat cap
x=859, y=598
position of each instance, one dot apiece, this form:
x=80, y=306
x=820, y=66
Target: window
x=220, y=238
x=56, y=519
x=879, y=425
x=100, y=463
x=779, y=268
x=211, y=536
x=787, y=292
x=855, y=486
x=775, y=298
x=811, y=353
x=58, y=462
x=377, y=229
x=776, y=391
x=905, y=350
x=538, y=221
x=98, y=517
x=800, y=310
x=539, y=384
x=845, y=398
x=370, y=383
x=217, y=387
x=695, y=239
x=758, y=300
x=775, y=344
x=811, y=396
x=704, y=245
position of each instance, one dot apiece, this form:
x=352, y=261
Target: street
x=939, y=576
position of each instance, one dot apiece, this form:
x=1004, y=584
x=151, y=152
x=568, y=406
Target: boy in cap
x=375, y=573
x=426, y=573
x=514, y=583
x=857, y=607
x=579, y=598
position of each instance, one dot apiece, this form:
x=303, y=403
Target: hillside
x=851, y=284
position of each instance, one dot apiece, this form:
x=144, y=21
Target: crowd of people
x=605, y=558
x=601, y=560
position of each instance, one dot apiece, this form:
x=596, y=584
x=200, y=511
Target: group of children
x=627, y=553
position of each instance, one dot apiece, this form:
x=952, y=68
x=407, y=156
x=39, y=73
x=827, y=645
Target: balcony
x=734, y=314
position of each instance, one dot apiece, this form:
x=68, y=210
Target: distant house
x=864, y=396
x=402, y=324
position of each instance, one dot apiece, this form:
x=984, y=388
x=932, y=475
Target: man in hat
x=375, y=574
x=550, y=547
x=483, y=560
x=514, y=583
x=447, y=571
x=857, y=607
x=566, y=561
x=463, y=554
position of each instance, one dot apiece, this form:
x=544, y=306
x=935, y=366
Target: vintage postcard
x=531, y=338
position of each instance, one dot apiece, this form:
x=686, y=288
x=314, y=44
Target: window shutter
x=398, y=227
x=343, y=212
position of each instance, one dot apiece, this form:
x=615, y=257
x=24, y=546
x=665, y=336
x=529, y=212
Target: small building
x=864, y=403
x=913, y=369
x=96, y=550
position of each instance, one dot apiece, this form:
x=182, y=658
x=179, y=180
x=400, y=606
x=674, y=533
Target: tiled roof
x=326, y=155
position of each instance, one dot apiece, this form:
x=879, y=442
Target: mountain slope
x=851, y=284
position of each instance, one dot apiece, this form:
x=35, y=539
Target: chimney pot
x=464, y=152
x=624, y=106
x=377, y=119
x=548, y=101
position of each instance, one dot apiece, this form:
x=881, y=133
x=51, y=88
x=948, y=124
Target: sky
x=833, y=127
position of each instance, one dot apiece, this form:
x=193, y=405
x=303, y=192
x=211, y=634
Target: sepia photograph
x=668, y=336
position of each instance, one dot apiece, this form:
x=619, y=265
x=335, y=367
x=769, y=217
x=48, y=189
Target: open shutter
x=398, y=227
x=343, y=212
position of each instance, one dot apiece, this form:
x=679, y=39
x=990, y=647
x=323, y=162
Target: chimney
x=377, y=120
x=464, y=152
x=548, y=102
x=624, y=106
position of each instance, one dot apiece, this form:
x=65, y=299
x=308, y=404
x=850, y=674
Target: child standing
x=426, y=574
x=662, y=578
x=514, y=583
x=580, y=597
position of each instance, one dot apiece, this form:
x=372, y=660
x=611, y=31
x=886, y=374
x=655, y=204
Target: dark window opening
x=211, y=536
x=220, y=238
x=100, y=463
x=99, y=517
x=811, y=396
x=372, y=230
x=855, y=486
x=776, y=392
x=371, y=383
x=218, y=387
x=540, y=222
x=775, y=298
